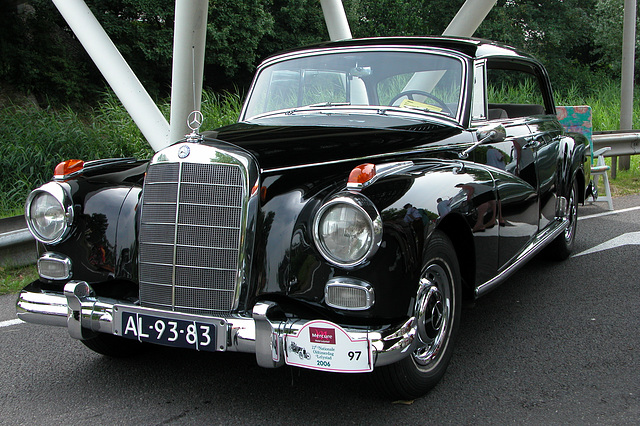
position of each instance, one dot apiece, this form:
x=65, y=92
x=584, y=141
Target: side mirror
x=491, y=134
x=485, y=134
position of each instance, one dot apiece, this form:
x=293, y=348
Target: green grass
x=34, y=140
x=627, y=182
x=13, y=280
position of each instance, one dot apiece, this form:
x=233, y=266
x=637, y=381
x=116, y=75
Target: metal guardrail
x=17, y=245
x=621, y=142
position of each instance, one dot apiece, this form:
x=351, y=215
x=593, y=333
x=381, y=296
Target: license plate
x=194, y=334
x=322, y=345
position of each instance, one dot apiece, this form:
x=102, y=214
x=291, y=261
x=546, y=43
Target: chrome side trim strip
x=382, y=170
x=534, y=248
x=368, y=158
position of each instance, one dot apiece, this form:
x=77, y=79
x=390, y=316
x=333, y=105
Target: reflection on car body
x=368, y=188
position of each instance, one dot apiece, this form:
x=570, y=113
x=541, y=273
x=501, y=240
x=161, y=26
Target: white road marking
x=608, y=213
x=630, y=238
x=11, y=322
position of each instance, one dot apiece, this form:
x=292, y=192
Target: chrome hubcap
x=433, y=310
x=572, y=213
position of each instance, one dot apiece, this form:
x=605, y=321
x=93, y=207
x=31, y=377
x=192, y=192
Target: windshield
x=426, y=82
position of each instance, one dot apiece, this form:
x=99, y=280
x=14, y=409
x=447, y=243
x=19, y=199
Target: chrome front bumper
x=84, y=315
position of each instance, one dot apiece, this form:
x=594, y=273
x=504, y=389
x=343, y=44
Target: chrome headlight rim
x=364, y=206
x=55, y=190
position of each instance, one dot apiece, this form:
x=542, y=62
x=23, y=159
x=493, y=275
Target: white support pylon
x=189, y=39
x=116, y=71
x=336, y=20
x=469, y=18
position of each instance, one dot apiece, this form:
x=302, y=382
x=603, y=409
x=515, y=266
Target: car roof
x=471, y=47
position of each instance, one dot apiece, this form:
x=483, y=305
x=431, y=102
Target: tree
x=399, y=17
x=40, y=55
x=234, y=32
x=608, y=23
x=557, y=32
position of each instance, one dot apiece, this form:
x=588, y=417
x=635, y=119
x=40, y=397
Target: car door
x=523, y=165
x=513, y=167
x=545, y=133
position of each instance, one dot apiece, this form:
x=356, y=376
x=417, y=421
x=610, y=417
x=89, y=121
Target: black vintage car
x=369, y=187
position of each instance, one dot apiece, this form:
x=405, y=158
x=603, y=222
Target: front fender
x=457, y=197
x=102, y=243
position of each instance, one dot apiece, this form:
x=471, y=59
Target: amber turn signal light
x=362, y=174
x=68, y=167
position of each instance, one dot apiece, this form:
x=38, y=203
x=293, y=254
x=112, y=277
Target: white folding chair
x=601, y=169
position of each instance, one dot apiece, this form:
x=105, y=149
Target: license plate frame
x=170, y=329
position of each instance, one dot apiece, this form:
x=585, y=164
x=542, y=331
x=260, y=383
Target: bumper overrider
x=315, y=344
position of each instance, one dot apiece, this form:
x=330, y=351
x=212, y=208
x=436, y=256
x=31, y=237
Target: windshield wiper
x=327, y=104
x=425, y=109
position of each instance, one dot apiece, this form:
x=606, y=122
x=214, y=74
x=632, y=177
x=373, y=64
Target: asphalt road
x=557, y=344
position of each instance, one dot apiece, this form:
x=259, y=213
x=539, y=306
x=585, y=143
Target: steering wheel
x=409, y=94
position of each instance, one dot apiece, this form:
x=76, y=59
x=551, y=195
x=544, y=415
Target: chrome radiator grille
x=190, y=237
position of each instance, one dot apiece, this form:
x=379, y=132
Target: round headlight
x=49, y=213
x=348, y=230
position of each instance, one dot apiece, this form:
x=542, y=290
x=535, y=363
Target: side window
x=478, y=109
x=513, y=92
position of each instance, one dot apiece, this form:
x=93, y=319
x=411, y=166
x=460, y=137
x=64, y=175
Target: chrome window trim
x=384, y=47
x=479, y=104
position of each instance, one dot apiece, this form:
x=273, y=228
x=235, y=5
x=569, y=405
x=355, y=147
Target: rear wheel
x=114, y=346
x=562, y=246
x=437, y=313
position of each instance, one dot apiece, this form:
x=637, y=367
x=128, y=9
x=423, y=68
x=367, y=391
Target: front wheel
x=437, y=316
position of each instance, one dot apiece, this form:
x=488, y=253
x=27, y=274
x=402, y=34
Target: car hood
x=334, y=139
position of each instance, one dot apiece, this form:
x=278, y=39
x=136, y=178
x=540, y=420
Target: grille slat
x=201, y=235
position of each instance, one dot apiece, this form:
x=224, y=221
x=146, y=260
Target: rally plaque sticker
x=322, y=345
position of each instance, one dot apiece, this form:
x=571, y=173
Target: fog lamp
x=54, y=266
x=351, y=294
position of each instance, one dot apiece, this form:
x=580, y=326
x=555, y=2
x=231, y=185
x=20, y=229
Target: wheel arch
x=457, y=230
x=581, y=180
